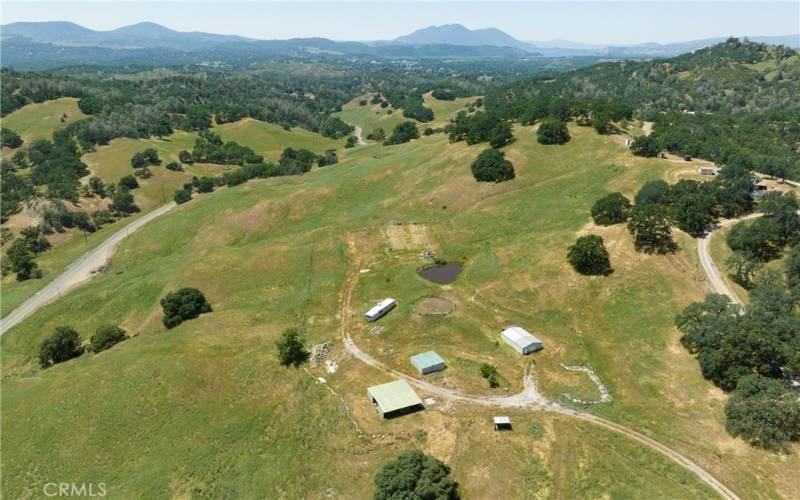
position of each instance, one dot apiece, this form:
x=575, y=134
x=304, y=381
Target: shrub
x=138, y=160
x=415, y=475
x=589, y=256
x=122, y=202
x=351, y=142
x=492, y=166
x=182, y=196
x=63, y=345
x=645, y=146
x=328, y=158
x=107, y=336
x=403, y=132
x=10, y=139
x=128, y=182
x=291, y=348
x=185, y=304
x=611, y=209
x=552, y=131
x=174, y=166
x=185, y=157
x=143, y=173
x=489, y=372
x=205, y=185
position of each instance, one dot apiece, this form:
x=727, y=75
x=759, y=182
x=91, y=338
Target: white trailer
x=379, y=309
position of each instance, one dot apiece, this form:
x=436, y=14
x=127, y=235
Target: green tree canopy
x=763, y=411
x=650, y=229
x=403, y=132
x=552, y=131
x=291, y=348
x=611, y=209
x=415, y=476
x=63, y=345
x=182, y=305
x=492, y=166
x=107, y=336
x=589, y=256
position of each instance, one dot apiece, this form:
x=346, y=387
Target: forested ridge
x=736, y=102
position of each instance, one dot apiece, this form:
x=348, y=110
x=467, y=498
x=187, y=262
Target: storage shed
x=707, y=171
x=522, y=341
x=394, y=399
x=380, y=309
x=501, y=423
x=428, y=362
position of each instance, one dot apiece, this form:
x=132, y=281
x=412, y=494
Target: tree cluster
x=183, y=305
x=403, y=132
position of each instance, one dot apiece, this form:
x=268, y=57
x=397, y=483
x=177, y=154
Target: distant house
x=661, y=155
x=380, y=309
x=707, y=170
x=394, y=399
x=628, y=142
x=522, y=341
x=687, y=157
x=428, y=362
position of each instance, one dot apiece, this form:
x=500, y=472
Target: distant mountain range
x=457, y=34
x=42, y=45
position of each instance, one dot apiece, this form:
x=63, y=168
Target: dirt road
x=79, y=271
x=529, y=397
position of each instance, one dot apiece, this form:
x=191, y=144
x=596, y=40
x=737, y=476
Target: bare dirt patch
x=434, y=306
x=407, y=236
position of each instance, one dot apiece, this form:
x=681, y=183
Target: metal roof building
x=428, y=362
x=394, y=399
x=380, y=309
x=522, y=341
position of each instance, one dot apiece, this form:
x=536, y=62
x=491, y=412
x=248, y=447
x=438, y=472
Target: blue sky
x=589, y=22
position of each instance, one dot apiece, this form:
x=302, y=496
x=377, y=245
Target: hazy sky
x=591, y=22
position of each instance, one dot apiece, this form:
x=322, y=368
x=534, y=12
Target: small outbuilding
x=522, y=341
x=428, y=362
x=501, y=423
x=707, y=170
x=380, y=309
x=394, y=399
x=687, y=157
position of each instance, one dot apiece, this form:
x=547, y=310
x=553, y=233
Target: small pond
x=443, y=274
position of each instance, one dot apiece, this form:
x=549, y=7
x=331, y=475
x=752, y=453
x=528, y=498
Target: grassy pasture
x=40, y=120
x=112, y=162
x=203, y=409
x=270, y=140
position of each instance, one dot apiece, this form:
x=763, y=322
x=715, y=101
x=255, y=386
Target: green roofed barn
x=394, y=399
x=428, y=362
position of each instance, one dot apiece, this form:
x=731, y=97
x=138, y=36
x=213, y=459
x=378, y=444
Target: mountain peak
x=457, y=34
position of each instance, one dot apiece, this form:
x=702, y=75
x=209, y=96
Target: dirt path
x=715, y=278
x=359, y=139
x=79, y=271
x=529, y=397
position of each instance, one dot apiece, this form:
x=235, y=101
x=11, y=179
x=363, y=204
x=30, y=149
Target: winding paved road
x=79, y=271
x=529, y=397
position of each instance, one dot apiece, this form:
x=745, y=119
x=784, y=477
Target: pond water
x=442, y=275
